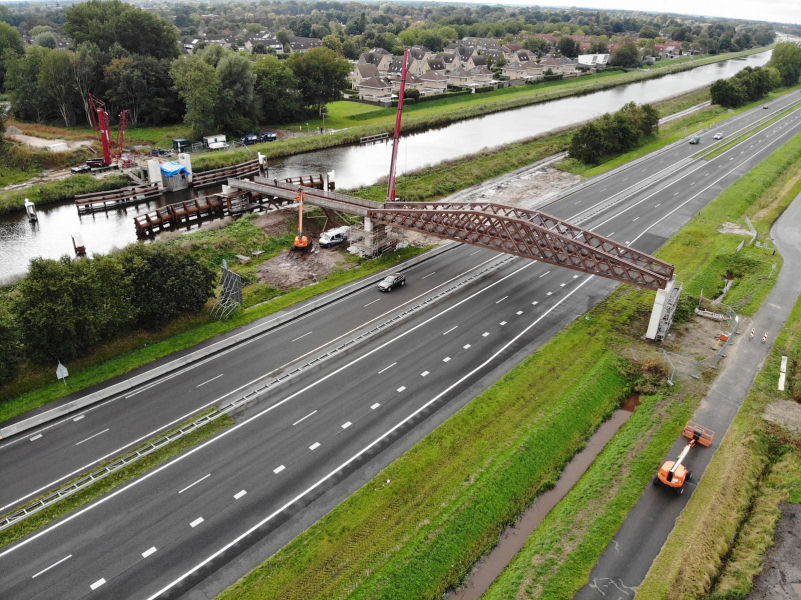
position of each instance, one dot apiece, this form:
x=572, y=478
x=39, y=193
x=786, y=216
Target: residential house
x=524, y=71
x=433, y=83
x=448, y=61
x=378, y=57
x=593, y=61
x=480, y=76
x=374, y=89
x=437, y=64
x=562, y=65
x=362, y=72
x=481, y=44
x=459, y=77
x=268, y=40
x=303, y=44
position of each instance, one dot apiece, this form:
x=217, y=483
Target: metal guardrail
x=85, y=481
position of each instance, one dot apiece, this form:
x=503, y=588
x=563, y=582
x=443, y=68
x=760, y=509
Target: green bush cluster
x=746, y=86
x=615, y=133
x=64, y=308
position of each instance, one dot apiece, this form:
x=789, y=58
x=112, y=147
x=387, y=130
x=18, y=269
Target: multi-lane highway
x=197, y=523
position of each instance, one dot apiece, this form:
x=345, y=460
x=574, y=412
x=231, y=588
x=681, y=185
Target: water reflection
x=357, y=165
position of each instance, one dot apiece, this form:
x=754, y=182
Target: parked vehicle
x=718, y=136
x=766, y=107
x=249, y=139
x=696, y=139
x=269, y=136
x=332, y=237
x=390, y=282
x=673, y=474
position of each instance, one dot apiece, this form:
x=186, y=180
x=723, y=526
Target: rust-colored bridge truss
x=527, y=233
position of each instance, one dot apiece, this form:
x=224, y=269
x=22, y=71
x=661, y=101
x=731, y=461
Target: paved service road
x=627, y=559
x=196, y=524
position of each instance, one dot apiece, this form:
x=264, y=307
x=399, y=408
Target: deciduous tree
x=321, y=75
x=198, y=86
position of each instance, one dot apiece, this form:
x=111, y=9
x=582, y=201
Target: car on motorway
x=696, y=139
x=390, y=282
x=765, y=106
x=718, y=136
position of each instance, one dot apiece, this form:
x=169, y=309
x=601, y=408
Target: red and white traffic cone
x=753, y=332
x=765, y=337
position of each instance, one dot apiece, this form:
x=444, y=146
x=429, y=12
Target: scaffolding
x=369, y=244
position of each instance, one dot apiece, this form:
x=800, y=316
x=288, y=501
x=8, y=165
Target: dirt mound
x=785, y=413
x=297, y=269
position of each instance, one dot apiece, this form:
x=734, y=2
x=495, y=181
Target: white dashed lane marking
x=314, y=446
x=466, y=346
x=33, y=438
x=446, y=359
x=375, y=405
x=401, y=388
x=196, y=522
x=97, y=584
x=304, y=418
x=449, y=330
x=55, y=564
x=346, y=424
x=501, y=300
x=239, y=494
x=424, y=374
x=543, y=275
x=302, y=336
x=387, y=368
x=278, y=469
x=149, y=551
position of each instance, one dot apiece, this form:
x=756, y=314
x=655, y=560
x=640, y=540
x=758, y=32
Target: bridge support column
x=154, y=172
x=368, y=225
x=662, y=312
x=186, y=160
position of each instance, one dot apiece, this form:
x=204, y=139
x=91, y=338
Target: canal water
x=355, y=166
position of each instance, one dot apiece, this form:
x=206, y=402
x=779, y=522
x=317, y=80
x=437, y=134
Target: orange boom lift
x=302, y=242
x=673, y=473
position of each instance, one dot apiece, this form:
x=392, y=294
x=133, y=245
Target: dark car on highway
x=390, y=282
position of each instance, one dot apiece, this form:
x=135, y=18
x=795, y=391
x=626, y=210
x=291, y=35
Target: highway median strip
x=111, y=474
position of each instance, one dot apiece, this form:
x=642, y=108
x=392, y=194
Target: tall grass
x=58, y=191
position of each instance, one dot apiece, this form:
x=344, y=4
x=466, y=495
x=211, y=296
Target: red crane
x=391, y=189
x=111, y=150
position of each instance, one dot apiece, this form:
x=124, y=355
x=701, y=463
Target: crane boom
x=391, y=188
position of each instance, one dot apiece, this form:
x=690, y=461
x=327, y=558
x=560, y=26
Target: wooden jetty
x=369, y=139
x=221, y=175
x=187, y=212
x=119, y=198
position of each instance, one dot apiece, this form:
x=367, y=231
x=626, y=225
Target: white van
x=332, y=237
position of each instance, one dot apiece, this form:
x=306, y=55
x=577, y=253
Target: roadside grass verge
x=32, y=388
x=718, y=544
x=115, y=480
x=417, y=527
x=355, y=550
x=669, y=132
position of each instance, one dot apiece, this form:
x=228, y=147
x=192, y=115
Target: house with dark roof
x=374, y=89
x=433, y=83
x=362, y=72
x=558, y=64
x=303, y=44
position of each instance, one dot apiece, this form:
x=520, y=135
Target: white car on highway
x=718, y=136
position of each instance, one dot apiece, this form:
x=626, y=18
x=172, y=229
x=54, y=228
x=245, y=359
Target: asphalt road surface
x=193, y=526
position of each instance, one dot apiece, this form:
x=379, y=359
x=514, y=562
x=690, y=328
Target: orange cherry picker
x=673, y=474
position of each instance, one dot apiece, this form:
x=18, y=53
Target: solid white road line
x=375, y=405
x=449, y=330
x=301, y=336
x=97, y=584
x=401, y=388
x=206, y=476
x=278, y=469
x=149, y=551
x=33, y=438
x=217, y=400
x=372, y=302
x=543, y=275
x=92, y=436
x=304, y=418
x=346, y=424
x=55, y=564
x=387, y=368
x=196, y=522
x=361, y=452
x=209, y=380
x=314, y=446
x=226, y=432
x=429, y=275
x=239, y=494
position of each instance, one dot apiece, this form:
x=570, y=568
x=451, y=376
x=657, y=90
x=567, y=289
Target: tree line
x=614, y=133
x=63, y=309
x=130, y=59
x=751, y=84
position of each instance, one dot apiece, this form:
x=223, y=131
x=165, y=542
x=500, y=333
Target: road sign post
x=62, y=373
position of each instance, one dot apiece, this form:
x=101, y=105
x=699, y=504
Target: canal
x=355, y=166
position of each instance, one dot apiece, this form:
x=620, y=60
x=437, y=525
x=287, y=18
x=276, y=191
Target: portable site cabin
x=174, y=175
x=215, y=142
x=181, y=145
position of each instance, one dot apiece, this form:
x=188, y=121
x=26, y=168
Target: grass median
x=115, y=480
x=420, y=534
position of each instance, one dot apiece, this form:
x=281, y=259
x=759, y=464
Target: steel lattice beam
x=530, y=234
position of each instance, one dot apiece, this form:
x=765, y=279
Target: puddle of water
x=630, y=403
x=513, y=539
